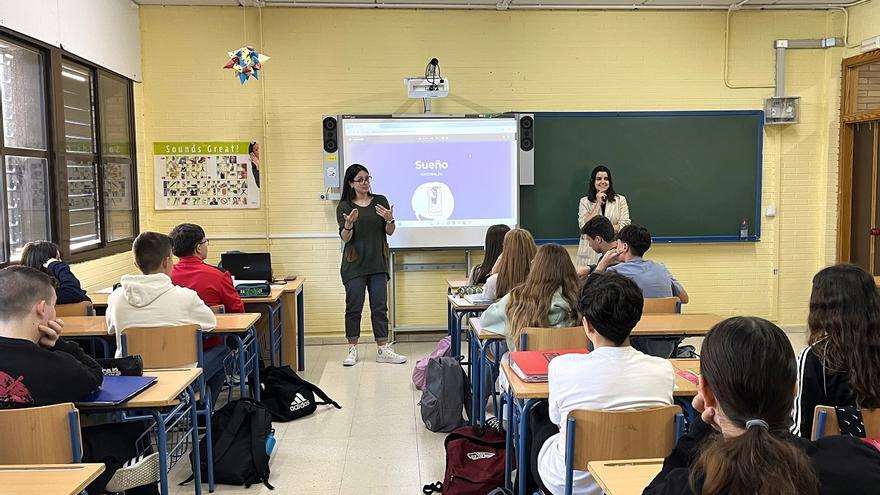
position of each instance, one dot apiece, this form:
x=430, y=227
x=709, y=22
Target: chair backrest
x=825, y=422
x=218, y=309
x=164, y=347
x=548, y=339
x=661, y=305
x=75, y=309
x=40, y=435
x=606, y=435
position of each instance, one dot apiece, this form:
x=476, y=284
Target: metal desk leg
x=162, y=447
x=476, y=379
x=193, y=417
x=256, y=364
x=270, y=309
x=300, y=330
x=522, y=457
x=278, y=339
x=508, y=444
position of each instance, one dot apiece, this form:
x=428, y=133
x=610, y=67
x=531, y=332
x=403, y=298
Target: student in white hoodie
x=151, y=300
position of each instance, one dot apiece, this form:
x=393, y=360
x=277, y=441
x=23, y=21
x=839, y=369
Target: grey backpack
x=447, y=392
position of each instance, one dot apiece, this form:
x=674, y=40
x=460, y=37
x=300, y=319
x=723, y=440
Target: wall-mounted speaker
x=330, y=135
x=526, y=152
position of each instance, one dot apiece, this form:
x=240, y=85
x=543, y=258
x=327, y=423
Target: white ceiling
x=517, y=4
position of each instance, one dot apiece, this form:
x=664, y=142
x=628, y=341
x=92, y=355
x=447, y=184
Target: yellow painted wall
x=353, y=61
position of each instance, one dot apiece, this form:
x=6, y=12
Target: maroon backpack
x=474, y=461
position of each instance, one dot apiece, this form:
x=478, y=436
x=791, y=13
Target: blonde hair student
x=547, y=298
x=513, y=265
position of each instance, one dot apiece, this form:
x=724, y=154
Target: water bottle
x=744, y=230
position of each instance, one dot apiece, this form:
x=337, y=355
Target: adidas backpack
x=289, y=397
x=447, y=393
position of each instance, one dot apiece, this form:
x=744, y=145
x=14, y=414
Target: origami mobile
x=247, y=62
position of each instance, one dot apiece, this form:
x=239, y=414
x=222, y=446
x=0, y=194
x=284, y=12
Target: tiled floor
x=375, y=444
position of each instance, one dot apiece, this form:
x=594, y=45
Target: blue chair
x=605, y=435
x=825, y=422
x=175, y=347
x=41, y=435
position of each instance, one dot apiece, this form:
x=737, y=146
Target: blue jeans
x=215, y=374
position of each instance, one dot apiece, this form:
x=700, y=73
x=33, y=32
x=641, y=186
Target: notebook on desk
x=478, y=299
x=531, y=366
x=117, y=389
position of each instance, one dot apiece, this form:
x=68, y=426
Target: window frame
x=56, y=155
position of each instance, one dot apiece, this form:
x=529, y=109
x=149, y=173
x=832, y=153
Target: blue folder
x=117, y=389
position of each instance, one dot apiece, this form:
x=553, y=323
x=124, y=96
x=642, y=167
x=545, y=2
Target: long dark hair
x=845, y=323
x=591, y=187
x=36, y=253
x=749, y=365
x=350, y=173
x=494, y=242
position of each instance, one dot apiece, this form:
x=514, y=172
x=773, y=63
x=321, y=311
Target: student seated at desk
x=840, y=365
x=600, y=237
x=491, y=251
x=546, y=299
x=741, y=442
x=655, y=281
x=512, y=266
x=38, y=368
x=612, y=377
x=46, y=257
x=213, y=285
x=151, y=300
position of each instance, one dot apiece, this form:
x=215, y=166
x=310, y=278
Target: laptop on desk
x=248, y=266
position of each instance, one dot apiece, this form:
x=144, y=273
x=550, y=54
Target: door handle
x=875, y=231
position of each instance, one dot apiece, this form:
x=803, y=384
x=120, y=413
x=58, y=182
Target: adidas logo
x=476, y=456
x=299, y=402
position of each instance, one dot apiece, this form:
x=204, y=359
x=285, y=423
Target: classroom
x=744, y=136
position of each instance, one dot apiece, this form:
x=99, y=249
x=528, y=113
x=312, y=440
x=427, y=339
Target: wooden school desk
x=480, y=342
x=628, y=477
x=459, y=308
x=290, y=318
x=239, y=325
x=522, y=396
x=43, y=479
x=168, y=403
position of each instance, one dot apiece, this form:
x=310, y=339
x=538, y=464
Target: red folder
x=531, y=366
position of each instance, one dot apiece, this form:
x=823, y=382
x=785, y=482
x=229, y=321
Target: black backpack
x=289, y=397
x=241, y=430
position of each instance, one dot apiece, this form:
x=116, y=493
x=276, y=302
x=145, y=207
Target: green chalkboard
x=687, y=176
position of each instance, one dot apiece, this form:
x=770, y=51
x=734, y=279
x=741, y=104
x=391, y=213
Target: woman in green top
x=365, y=219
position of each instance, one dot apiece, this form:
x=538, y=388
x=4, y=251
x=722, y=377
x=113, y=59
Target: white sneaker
x=352, y=356
x=385, y=354
x=139, y=471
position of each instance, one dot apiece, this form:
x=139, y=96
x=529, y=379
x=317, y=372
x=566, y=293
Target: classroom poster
x=207, y=175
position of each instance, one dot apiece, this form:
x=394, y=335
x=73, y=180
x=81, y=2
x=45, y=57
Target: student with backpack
x=840, y=365
x=612, y=377
x=491, y=251
x=741, y=444
x=512, y=266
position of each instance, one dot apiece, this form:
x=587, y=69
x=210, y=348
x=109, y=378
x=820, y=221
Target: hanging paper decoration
x=246, y=62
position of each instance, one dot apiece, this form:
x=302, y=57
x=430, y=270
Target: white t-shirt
x=489, y=287
x=610, y=379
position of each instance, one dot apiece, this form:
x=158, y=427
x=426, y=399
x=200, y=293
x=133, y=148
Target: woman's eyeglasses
x=364, y=180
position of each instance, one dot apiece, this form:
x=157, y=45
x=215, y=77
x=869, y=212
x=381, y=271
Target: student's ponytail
x=758, y=462
x=749, y=365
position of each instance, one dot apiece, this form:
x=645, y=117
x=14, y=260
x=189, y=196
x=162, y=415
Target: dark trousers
x=540, y=429
x=113, y=444
x=377, y=285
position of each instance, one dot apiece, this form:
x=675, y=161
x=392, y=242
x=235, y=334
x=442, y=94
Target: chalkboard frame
x=757, y=114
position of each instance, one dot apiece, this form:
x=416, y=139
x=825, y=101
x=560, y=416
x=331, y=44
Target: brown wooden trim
x=58, y=162
x=860, y=117
x=844, y=197
x=871, y=246
x=862, y=59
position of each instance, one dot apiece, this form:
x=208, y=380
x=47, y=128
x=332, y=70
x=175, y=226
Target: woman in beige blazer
x=600, y=200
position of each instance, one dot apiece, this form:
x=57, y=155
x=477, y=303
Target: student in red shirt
x=213, y=285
